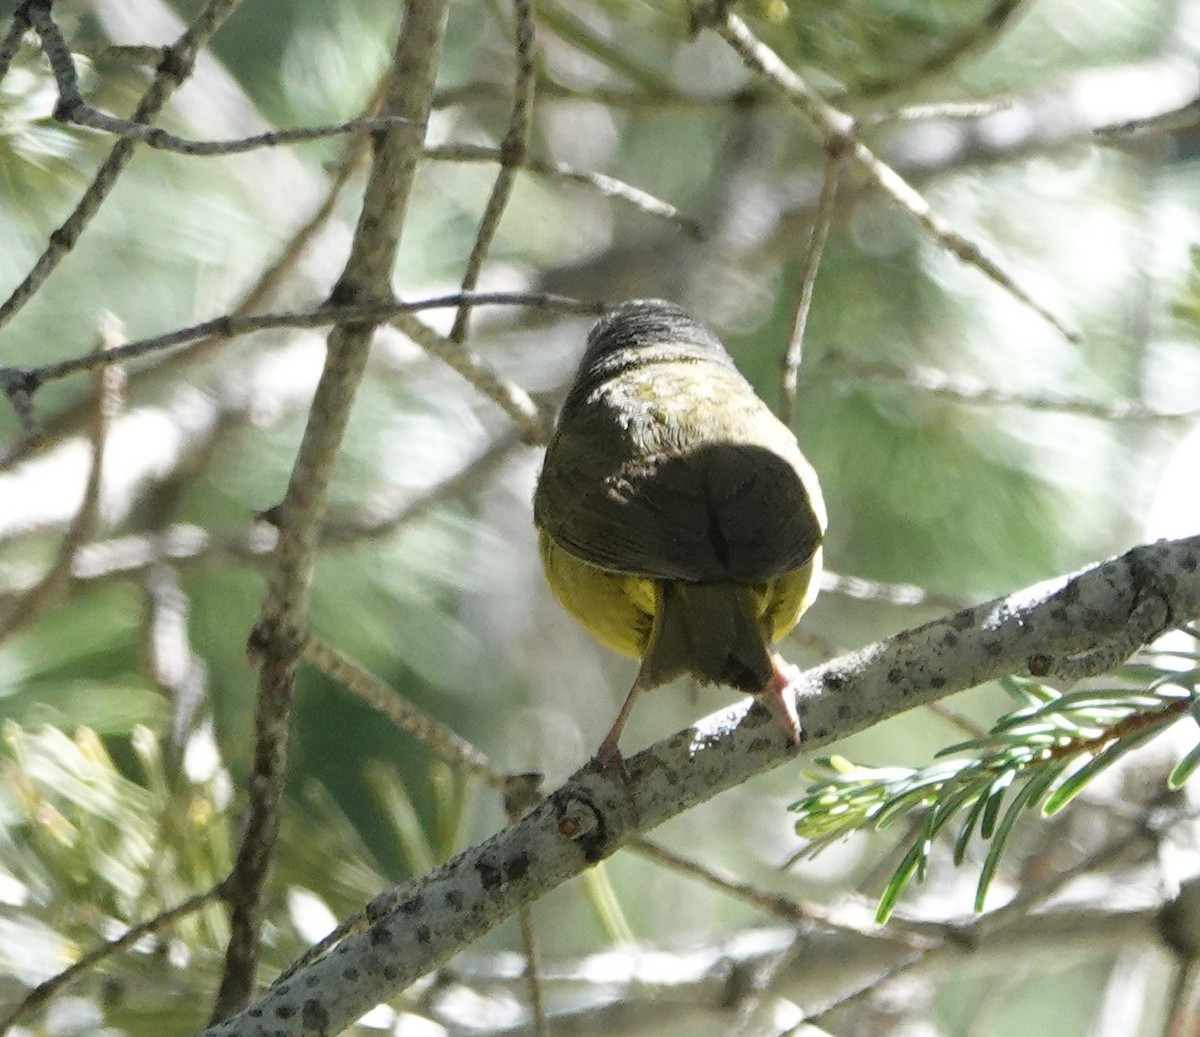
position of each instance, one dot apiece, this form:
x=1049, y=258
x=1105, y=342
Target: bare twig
x=517, y=797
x=383, y=698
x=512, y=154
x=72, y=109
x=153, y=137
x=860, y=923
x=972, y=390
x=278, y=638
x=532, y=422
x=175, y=67
x=836, y=130
x=178, y=671
x=19, y=386
x=12, y=39
x=335, y=314
x=972, y=38
x=906, y=594
x=664, y=99
x=110, y=385
x=822, y=220
x=42, y=993
x=607, y=185
x=936, y=110
x=965, y=724
x=1177, y=119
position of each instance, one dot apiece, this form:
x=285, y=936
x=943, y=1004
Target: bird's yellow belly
x=618, y=608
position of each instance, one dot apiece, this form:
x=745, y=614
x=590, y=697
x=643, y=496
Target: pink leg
x=608, y=748
x=780, y=697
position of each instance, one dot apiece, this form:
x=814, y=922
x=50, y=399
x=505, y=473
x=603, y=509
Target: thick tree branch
x=418, y=926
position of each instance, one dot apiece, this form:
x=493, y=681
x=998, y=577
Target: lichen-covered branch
x=418, y=926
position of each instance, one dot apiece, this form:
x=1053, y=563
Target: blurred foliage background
x=934, y=406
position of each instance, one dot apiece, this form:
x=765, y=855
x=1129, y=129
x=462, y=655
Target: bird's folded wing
x=717, y=512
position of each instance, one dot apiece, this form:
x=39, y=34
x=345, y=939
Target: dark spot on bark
x=843, y=711
x=1070, y=593
x=964, y=619
x=489, y=874
x=937, y=682
x=315, y=1016
x=411, y=905
x=1060, y=614
x=350, y=975
x=380, y=934
x=819, y=732
x=895, y=675
x=833, y=680
x=284, y=1012
x=1039, y=665
x=518, y=867
x=389, y=972
x=454, y=899
x=950, y=639
x=423, y=934
x=992, y=648
x=1188, y=563
x=254, y=1013
x=312, y=981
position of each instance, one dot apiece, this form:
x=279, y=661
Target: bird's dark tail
x=710, y=630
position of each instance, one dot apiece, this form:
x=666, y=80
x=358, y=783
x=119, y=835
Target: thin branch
x=822, y=220
x=153, y=137
x=382, y=697
x=937, y=110
x=595, y=812
x=42, y=993
x=278, y=638
x=783, y=907
x=529, y=418
x=12, y=39
x=175, y=67
x=516, y=801
x=606, y=185
x=132, y=53
x=1182, y=118
x=908, y=595
x=178, y=671
x=73, y=109
x=110, y=387
x=837, y=130
x=323, y=316
x=512, y=155
x=971, y=39
x=970, y=390
x=965, y=724
x=18, y=386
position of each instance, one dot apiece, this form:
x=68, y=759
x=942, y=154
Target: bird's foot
x=779, y=696
x=609, y=758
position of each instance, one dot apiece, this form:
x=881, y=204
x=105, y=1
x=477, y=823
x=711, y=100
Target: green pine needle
x=1044, y=753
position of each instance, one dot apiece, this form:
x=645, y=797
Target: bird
x=677, y=519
